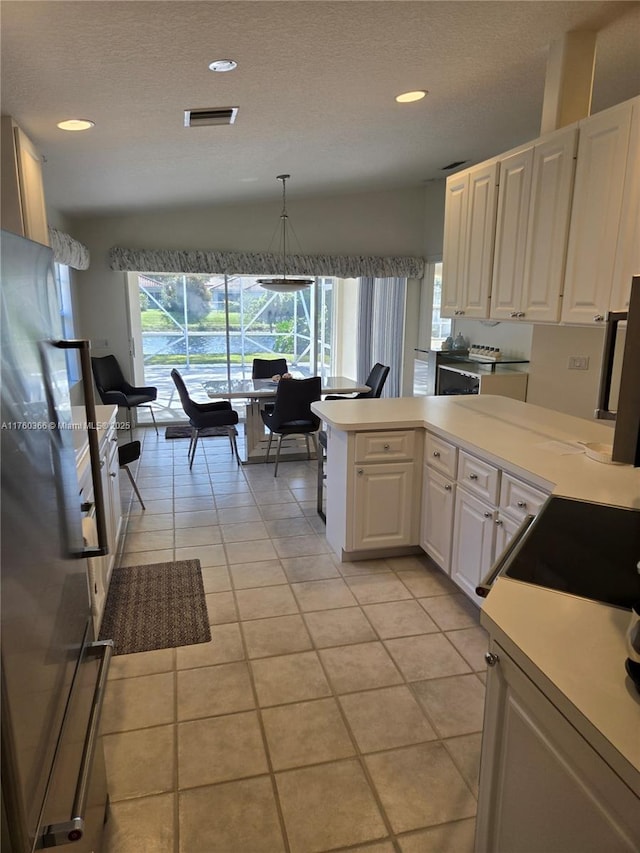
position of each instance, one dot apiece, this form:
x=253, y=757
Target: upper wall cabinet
x=23, y=205
x=469, y=232
x=603, y=239
x=534, y=205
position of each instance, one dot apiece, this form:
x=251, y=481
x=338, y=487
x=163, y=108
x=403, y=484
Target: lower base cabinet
x=437, y=517
x=383, y=497
x=473, y=542
x=542, y=786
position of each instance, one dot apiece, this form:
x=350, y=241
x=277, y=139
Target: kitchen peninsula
x=561, y=754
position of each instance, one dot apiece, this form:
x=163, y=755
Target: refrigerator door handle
x=56, y=834
x=83, y=348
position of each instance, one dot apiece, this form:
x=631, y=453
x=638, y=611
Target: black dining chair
x=292, y=413
x=265, y=368
x=206, y=415
x=114, y=389
x=375, y=380
x=128, y=453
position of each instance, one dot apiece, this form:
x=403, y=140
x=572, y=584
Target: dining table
x=259, y=391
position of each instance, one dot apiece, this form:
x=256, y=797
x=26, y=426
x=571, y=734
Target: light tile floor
x=338, y=706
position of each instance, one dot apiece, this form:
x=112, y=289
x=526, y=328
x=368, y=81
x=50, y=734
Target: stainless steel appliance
x=577, y=547
x=53, y=672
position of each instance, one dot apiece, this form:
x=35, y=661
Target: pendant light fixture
x=282, y=284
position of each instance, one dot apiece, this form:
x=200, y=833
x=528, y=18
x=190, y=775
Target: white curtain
x=381, y=329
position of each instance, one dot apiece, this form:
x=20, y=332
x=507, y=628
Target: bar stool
x=321, y=457
x=128, y=453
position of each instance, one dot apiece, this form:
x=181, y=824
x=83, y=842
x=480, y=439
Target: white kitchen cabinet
x=534, y=205
x=23, y=205
x=542, y=785
x=436, y=533
x=383, y=498
x=469, y=232
x=473, y=541
x=373, y=490
x=600, y=244
x=627, y=259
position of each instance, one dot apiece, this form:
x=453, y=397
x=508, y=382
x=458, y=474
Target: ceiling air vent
x=454, y=165
x=210, y=116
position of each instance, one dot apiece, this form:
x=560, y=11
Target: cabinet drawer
x=441, y=455
x=478, y=477
x=380, y=446
x=518, y=498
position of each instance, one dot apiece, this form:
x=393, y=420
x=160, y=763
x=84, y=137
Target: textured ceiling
x=315, y=85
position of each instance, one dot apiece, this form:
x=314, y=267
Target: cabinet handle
x=513, y=314
x=522, y=504
x=113, y=474
x=436, y=453
x=520, y=314
x=360, y=472
x=598, y=318
x=386, y=446
x=491, y=658
x=488, y=514
x=473, y=476
x=447, y=487
x=114, y=440
x=499, y=522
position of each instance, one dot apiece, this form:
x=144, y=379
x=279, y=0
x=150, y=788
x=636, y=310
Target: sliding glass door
x=212, y=327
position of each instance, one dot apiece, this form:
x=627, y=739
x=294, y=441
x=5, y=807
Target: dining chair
x=265, y=368
x=114, y=389
x=375, y=380
x=205, y=416
x=128, y=453
x=292, y=413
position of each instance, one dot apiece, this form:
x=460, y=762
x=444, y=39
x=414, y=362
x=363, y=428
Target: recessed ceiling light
x=408, y=97
x=223, y=65
x=76, y=124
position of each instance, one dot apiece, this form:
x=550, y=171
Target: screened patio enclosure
x=213, y=326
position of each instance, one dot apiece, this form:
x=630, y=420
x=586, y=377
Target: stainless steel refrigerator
x=53, y=672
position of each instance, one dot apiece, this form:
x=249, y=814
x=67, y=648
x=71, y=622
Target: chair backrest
x=375, y=381
x=107, y=373
x=265, y=368
x=185, y=399
x=293, y=402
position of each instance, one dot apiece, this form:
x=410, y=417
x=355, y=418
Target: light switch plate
x=578, y=362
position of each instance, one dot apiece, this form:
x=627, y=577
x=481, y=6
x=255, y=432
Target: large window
x=213, y=326
x=440, y=326
x=63, y=287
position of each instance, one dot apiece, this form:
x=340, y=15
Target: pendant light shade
x=284, y=284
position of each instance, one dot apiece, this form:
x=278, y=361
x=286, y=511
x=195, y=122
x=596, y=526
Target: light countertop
x=514, y=435
x=578, y=650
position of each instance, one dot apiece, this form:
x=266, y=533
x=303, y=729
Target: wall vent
x=210, y=116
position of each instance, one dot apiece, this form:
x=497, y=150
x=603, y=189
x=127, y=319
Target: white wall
x=513, y=339
x=551, y=383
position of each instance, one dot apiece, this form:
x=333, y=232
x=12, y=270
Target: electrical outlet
x=578, y=362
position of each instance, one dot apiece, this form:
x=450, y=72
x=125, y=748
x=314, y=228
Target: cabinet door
x=455, y=231
x=506, y=529
x=382, y=508
x=548, y=228
x=511, y=234
x=628, y=252
x=473, y=538
x=542, y=786
x=437, y=517
x=595, y=217
x=480, y=237
x=34, y=211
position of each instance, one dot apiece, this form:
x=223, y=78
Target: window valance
x=68, y=251
x=252, y=263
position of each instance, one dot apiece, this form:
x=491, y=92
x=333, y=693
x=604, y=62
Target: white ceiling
x=315, y=85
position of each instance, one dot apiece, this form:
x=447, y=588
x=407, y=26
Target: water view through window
x=212, y=327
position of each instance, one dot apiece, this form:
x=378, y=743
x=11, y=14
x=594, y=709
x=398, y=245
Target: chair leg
x=234, y=444
x=306, y=441
x=268, y=448
x=275, y=473
x=153, y=418
x=195, y=444
x=315, y=443
x=135, y=487
x=130, y=422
